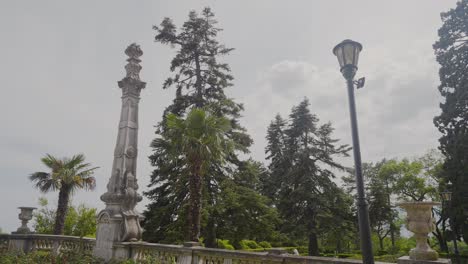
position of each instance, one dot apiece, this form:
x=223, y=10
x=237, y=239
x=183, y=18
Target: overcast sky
x=61, y=61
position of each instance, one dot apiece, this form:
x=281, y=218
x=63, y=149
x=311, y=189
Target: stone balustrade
x=173, y=254
x=159, y=253
x=35, y=242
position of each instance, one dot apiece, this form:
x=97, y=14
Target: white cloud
x=395, y=108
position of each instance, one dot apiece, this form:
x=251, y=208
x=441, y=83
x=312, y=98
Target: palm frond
x=75, y=161
x=52, y=162
x=44, y=181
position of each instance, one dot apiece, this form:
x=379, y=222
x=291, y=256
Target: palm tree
x=67, y=175
x=200, y=139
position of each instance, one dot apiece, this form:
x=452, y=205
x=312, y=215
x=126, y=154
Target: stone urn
x=419, y=221
x=25, y=215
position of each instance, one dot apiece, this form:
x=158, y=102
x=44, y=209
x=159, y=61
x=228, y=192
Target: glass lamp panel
x=449, y=196
x=446, y=196
x=339, y=54
x=348, y=50
x=356, y=56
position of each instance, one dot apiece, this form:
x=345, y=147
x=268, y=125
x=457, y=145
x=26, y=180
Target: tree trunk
x=440, y=234
x=338, y=245
x=62, y=209
x=313, y=244
x=392, y=224
x=195, y=189
x=392, y=234
x=198, y=82
x=210, y=238
x=210, y=230
x=381, y=245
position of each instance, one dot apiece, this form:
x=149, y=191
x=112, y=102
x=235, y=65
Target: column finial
x=133, y=67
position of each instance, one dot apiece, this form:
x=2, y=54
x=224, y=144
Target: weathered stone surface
x=119, y=221
x=25, y=216
x=25, y=243
x=419, y=221
x=407, y=260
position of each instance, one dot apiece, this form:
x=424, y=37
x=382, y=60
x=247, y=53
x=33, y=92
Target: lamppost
x=348, y=54
x=446, y=199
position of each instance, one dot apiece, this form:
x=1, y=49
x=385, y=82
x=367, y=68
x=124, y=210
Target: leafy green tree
x=243, y=213
x=387, y=180
x=80, y=221
x=379, y=181
x=432, y=163
x=451, y=52
x=308, y=156
x=412, y=181
x=337, y=225
x=67, y=175
x=381, y=214
x=44, y=218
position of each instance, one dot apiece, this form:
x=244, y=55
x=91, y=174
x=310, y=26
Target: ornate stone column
x=119, y=221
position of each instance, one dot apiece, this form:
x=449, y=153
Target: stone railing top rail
x=270, y=257
x=45, y=237
x=235, y=254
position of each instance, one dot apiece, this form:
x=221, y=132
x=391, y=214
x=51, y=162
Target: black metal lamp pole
x=455, y=237
x=348, y=54
x=447, y=199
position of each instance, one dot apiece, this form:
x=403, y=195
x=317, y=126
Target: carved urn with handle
x=25, y=215
x=419, y=221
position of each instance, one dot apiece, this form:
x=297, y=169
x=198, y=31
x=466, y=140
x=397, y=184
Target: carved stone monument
x=119, y=221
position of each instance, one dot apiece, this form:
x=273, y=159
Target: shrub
x=345, y=255
x=303, y=250
x=224, y=244
x=264, y=244
x=387, y=258
x=255, y=250
x=382, y=252
x=80, y=220
x=248, y=244
x=38, y=257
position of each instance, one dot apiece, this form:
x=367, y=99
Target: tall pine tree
x=452, y=54
x=302, y=158
x=200, y=81
x=275, y=153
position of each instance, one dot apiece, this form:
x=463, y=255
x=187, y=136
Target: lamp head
x=446, y=196
x=347, y=53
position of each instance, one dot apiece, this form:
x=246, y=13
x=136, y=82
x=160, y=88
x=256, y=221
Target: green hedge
x=249, y=244
x=265, y=244
x=224, y=244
